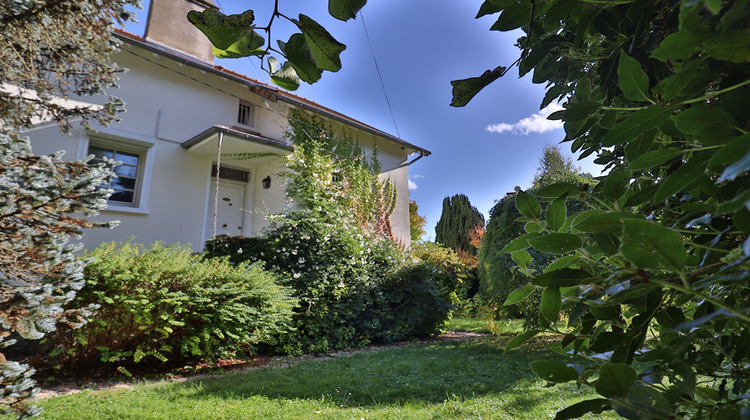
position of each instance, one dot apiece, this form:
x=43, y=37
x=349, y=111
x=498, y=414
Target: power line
x=377, y=68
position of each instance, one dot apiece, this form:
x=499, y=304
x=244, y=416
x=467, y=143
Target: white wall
x=167, y=104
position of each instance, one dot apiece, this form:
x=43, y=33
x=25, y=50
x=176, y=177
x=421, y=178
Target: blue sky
x=482, y=150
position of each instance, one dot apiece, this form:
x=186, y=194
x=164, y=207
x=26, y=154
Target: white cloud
x=413, y=184
x=537, y=123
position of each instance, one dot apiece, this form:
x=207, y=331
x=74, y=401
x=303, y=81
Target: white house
x=181, y=108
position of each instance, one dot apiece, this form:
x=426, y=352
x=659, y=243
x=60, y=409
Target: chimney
x=167, y=24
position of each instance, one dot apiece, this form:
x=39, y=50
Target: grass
x=503, y=326
x=449, y=379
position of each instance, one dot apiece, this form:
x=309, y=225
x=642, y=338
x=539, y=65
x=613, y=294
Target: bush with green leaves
x=655, y=272
x=163, y=304
x=353, y=288
x=498, y=273
x=334, y=269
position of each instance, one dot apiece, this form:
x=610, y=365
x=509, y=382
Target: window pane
x=124, y=183
x=122, y=196
x=126, y=170
x=129, y=158
x=100, y=152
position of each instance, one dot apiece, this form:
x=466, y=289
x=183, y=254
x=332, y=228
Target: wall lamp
x=266, y=182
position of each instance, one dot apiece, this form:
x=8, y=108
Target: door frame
x=247, y=208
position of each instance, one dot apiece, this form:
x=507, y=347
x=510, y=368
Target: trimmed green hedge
x=164, y=303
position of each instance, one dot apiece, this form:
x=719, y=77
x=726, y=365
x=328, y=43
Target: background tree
x=458, y=227
x=498, y=273
x=43, y=62
x=416, y=222
x=656, y=271
x=556, y=167
x=458, y=220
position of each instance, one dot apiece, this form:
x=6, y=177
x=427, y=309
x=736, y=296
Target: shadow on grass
x=421, y=373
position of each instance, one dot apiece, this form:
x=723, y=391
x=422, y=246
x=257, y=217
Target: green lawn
x=448, y=379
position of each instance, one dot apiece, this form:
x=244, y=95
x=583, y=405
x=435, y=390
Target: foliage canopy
x=43, y=62
x=656, y=270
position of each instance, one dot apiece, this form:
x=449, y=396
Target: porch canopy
x=237, y=145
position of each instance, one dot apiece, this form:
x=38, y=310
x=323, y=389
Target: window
x=246, y=114
x=129, y=173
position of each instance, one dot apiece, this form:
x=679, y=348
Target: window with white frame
x=246, y=114
x=129, y=171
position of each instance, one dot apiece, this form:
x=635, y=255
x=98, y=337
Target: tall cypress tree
x=459, y=218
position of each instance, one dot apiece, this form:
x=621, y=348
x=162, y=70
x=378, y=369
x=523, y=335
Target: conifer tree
x=52, y=51
x=457, y=222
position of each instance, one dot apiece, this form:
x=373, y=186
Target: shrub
x=165, y=303
x=417, y=302
x=333, y=268
x=353, y=288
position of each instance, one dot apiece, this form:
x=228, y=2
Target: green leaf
x=633, y=81
x=636, y=124
x=519, y=294
x=551, y=304
x=681, y=180
x=556, y=214
x=615, y=184
x=567, y=261
x=515, y=15
x=683, y=44
x=285, y=77
x=731, y=152
x=732, y=45
x=608, y=243
x=522, y=258
x=577, y=111
x=686, y=382
x=558, y=189
x=465, y=89
x=596, y=221
x=563, y=277
x=520, y=339
x=735, y=204
x=533, y=227
x=577, y=410
x=697, y=322
x=615, y=380
x=490, y=7
x=554, y=372
x=649, y=245
x=711, y=124
x=736, y=169
x=556, y=243
x=299, y=55
x=232, y=36
x=654, y=158
x=522, y=242
x=670, y=317
x=528, y=205
x=345, y=9
x=324, y=47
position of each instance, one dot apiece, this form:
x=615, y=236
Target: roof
x=265, y=90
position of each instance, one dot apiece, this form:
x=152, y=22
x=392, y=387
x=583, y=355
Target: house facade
x=202, y=146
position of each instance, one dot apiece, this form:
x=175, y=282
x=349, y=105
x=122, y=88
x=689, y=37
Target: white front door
x=229, y=211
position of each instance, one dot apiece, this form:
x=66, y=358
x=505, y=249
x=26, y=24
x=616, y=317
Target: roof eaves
x=236, y=133
x=262, y=89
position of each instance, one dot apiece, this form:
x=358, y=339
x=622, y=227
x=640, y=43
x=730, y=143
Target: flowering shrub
x=353, y=288
x=164, y=303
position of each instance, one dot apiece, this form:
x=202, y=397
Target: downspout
x=421, y=155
